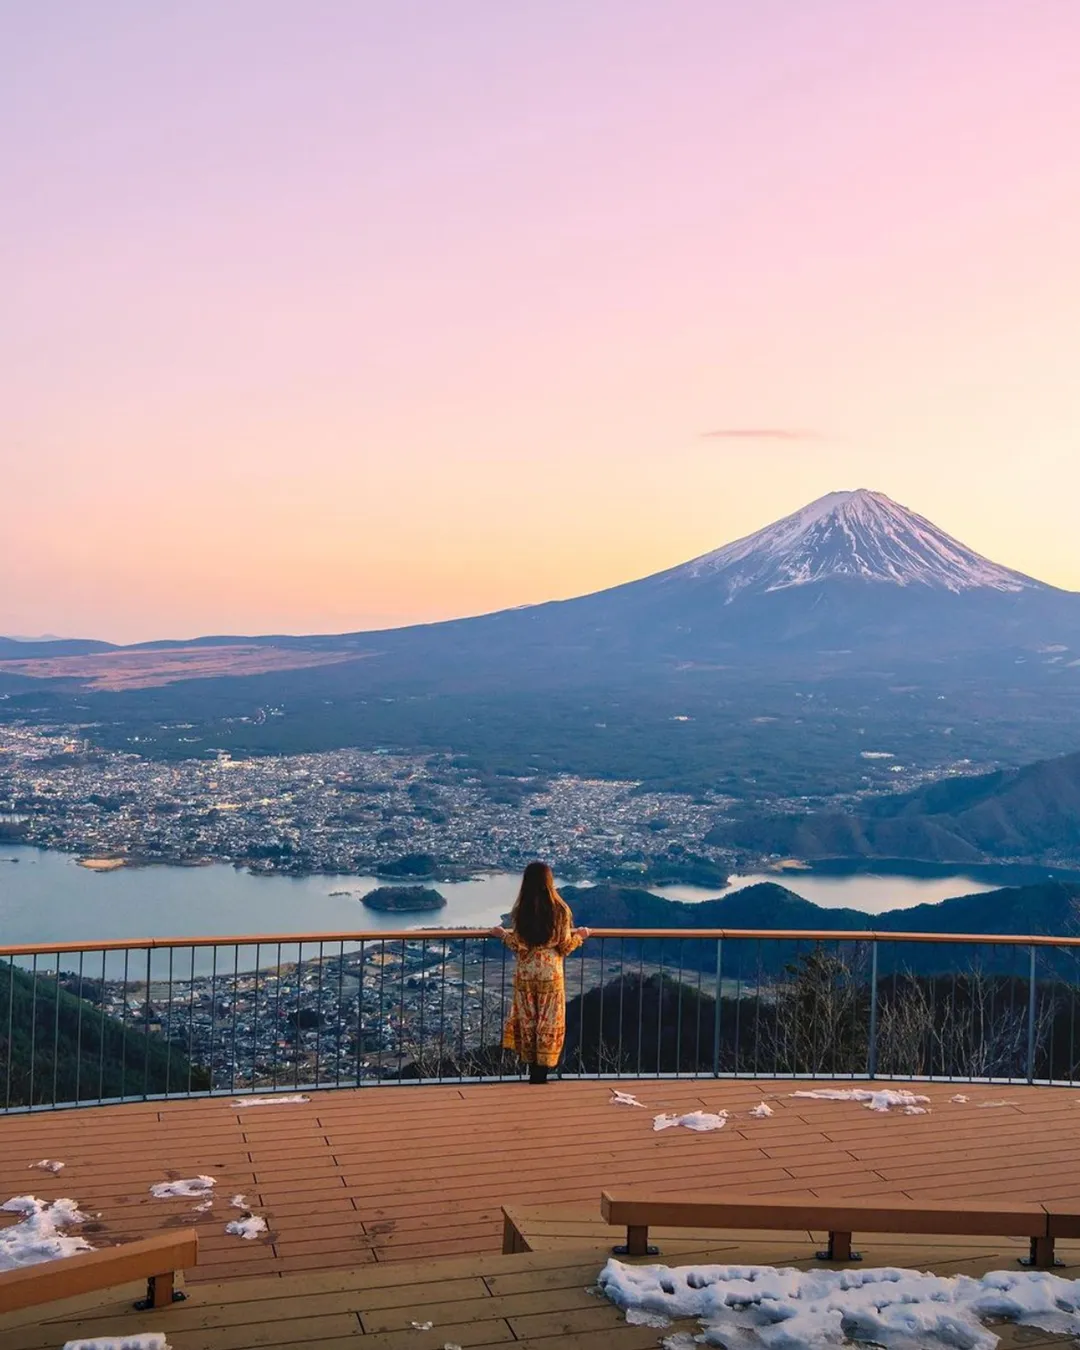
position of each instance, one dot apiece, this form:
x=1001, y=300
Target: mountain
x=25, y=648
x=1030, y=814
x=852, y=575
x=848, y=581
x=1049, y=909
x=860, y=534
x=58, y=1047
x=765, y=667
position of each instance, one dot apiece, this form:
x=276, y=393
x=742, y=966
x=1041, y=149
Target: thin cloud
x=760, y=434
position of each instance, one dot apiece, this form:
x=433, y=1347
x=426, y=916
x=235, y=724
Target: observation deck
x=382, y=1197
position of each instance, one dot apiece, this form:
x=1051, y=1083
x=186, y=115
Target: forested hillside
x=55, y=1047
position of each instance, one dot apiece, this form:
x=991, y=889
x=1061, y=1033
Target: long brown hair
x=540, y=914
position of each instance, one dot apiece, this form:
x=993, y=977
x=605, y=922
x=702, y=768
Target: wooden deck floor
x=353, y=1178
x=544, y=1300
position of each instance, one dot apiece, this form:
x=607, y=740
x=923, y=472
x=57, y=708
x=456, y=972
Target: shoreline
x=50, y=899
x=999, y=873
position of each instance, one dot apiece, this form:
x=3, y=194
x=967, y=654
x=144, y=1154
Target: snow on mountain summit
x=860, y=534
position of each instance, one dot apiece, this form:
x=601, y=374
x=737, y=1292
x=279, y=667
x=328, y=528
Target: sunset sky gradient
x=337, y=314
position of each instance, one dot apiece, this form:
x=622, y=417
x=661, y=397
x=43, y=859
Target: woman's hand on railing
x=498, y=931
x=583, y=933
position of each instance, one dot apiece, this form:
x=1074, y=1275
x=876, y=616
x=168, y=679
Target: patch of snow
x=272, y=1101
x=624, y=1099
x=38, y=1237
x=958, y=1097
x=239, y=1202
x=997, y=1103
x=249, y=1227
x=205, y=1207
x=692, y=1120
x=682, y=1340
x=145, y=1340
x=883, y=1099
x=644, y=1317
x=48, y=1165
x=743, y=1307
x=761, y=1111
x=852, y=534
x=421, y=1326
x=164, y=1190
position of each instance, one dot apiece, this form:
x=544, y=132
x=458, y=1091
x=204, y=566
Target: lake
x=46, y=897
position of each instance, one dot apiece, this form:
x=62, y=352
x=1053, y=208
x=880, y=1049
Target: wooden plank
x=156, y=1257
x=1063, y=1222
x=308, y=1330
x=566, y=1323
x=452, y=1333
x=748, y=1212
x=621, y=1337
x=490, y=1306
x=325, y=1261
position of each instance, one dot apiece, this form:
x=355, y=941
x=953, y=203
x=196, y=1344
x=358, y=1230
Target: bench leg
x=839, y=1249
x=161, y=1292
x=1042, y=1254
x=637, y=1243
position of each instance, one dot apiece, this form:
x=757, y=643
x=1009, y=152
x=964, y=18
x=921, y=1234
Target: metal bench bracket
x=1041, y=1255
x=839, y=1249
x=159, y=1297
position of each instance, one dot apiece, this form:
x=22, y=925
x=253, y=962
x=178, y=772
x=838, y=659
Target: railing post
x=716, y=1010
x=146, y=1027
x=1031, y=1015
x=871, y=1053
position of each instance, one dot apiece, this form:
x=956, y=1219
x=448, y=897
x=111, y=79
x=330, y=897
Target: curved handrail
x=449, y=934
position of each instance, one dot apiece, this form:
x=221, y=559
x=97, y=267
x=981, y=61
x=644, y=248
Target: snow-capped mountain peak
x=859, y=534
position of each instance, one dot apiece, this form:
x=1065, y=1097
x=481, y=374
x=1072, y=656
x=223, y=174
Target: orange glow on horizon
x=462, y=315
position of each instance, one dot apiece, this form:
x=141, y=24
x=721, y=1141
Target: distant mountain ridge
x=1029, y=814
x=1051, y=909
x=1046, y=910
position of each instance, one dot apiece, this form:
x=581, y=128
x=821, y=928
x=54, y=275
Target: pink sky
x=330, y=315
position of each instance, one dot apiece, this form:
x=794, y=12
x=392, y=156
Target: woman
x=541, y=933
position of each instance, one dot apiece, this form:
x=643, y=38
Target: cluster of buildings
x=344, y=811
x=379, y=1012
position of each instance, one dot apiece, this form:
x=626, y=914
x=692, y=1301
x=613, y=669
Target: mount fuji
x=769, y=664
x=850, y=581
x=859, y=534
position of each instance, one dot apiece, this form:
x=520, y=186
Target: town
x=376, y=1010
x=342, y=812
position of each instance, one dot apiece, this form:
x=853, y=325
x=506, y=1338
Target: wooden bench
x=155, y=1259
x=576, y=1227
x=637, y=1213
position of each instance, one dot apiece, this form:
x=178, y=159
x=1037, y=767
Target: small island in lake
x=404, y=899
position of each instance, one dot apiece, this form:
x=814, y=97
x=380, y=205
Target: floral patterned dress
x=536, y=1027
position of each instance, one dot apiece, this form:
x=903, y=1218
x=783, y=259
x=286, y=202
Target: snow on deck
x=382, y=1174
x=763, y=1308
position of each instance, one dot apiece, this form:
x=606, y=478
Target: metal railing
x=159, y=1018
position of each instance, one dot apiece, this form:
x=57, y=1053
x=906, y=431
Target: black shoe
x=538, y=1073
